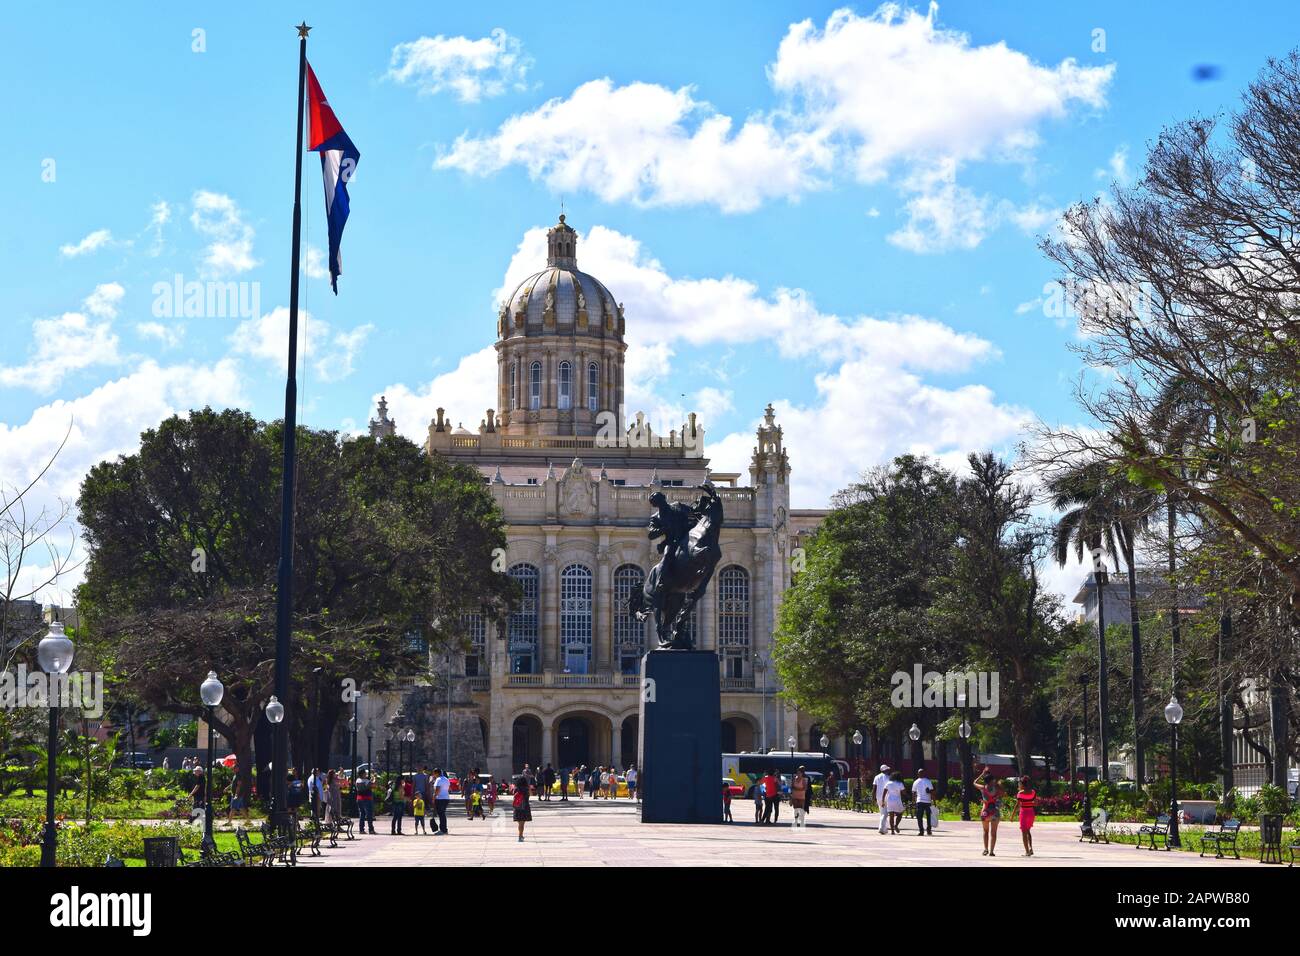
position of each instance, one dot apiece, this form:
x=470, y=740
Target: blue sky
x=831, y=208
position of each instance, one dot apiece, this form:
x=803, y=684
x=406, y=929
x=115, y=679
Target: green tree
x=182, y=540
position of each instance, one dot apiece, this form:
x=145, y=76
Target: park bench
x=210, y=857
x=308, y=836
x=1160, y=828
x=1224, y=838
x=1291, y=850
x=263, y=853
x=1098, y=830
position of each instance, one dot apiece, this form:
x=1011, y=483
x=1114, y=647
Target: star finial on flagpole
x=303, y=30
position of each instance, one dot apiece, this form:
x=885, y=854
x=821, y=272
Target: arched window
x=522, y=626
x=733, y=620
x=514, y=385
x=566, y=386
x=629, y=633
x=593, y=386
x=535, y=386
x=476, y=658
x=575, y=619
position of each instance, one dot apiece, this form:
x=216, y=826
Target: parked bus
x=748, y=768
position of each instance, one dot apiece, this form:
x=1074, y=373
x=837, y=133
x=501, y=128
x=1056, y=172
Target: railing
x=737, y=683
x=406, y=683
x=524, y=680
x=480, y=683
x=581, y=680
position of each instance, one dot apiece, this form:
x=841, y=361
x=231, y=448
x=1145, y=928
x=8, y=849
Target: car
x=136, y=760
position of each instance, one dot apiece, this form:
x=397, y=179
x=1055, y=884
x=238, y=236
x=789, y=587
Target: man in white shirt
x=878, y=784
x=923, y=789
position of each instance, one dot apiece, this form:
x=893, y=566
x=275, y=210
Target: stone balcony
x=551, y=679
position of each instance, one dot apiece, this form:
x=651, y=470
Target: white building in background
x=558, y=682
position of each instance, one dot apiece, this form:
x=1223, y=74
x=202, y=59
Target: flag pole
x=284, y=574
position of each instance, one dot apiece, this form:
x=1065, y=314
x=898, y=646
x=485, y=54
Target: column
x=550, y=588
x=708, y=617
x=603, y=598
x=548, y=736
x=615, y=742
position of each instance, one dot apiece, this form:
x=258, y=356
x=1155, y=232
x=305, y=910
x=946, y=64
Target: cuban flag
x=338, y=161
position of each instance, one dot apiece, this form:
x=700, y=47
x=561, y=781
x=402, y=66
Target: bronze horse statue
x=690, y=552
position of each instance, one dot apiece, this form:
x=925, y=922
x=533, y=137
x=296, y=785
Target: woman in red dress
x=1027, y=798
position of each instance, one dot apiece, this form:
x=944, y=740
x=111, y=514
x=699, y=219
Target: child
x=418, y=809
x=726, y=804
x=758, y=801
x=476, y=803
x=1027, y=798
x=523, y=812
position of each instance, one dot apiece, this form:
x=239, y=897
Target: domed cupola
x=559, y=347
x=561, y=299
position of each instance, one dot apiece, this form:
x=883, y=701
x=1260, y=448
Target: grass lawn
x=73, y=807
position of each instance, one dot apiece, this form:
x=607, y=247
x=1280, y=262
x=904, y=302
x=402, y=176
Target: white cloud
x=160, y=213
x=95, y=240
x=464, y=394
x=168, y=335
x=103, y=301
x=470, y=69
x=313, y=263
x=218, y=218
x=869, y=96
x=1116, y=166
x=331, y=353
x=866, y=413
x=106, y=422
x=62, y=344
x=648, y=145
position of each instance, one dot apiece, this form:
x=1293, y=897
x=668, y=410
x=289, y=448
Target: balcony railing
x=737, y=684
x=480, y=683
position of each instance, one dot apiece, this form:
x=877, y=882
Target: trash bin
x=1270, y=838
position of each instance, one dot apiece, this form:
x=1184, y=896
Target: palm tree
x=1103, y=508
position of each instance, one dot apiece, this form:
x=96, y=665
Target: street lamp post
x=862, y=764
x=54, y=653
x=447, y=758
x=1087, y=770
x=760, y=665
x=790, y=742
x=210, y=691
x=914, y=734
x=352, y=726
x=370, y=739
x=1174, y=715
x=963, y=731
x=274, y=711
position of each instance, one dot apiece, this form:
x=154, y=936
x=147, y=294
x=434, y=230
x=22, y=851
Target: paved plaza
x=611, y=834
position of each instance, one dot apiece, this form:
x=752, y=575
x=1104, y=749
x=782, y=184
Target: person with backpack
x=365, y=803
x=523, y=811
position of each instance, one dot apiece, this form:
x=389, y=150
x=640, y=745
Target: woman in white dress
x=894, y=800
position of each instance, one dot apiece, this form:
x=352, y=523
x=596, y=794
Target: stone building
x=557, y=682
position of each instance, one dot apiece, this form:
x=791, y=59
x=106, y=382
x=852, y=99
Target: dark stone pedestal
x=680, y=745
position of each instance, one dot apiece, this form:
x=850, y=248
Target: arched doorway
x=573, y=742
x=739, y=735
x=526, y=742
x=628, y=743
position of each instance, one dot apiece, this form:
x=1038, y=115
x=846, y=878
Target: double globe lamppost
x=54, y=654
x=964, y=731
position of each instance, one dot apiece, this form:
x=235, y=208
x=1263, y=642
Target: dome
x=561, y=298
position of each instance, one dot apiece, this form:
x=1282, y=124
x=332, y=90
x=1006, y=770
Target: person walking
x=564, y=784
x=879, y=784
x=523, y=812
x=548, y=780
x=894, y=800
x=990, y=811
x=726, y=804
x=770, y=786
x=631, y=777
x=333, y=800
x=1027, y=801
x=923, y=794
x=365, y=803
x=800, y=789
x=396, y=800
x=758, y=800
x=441, y=797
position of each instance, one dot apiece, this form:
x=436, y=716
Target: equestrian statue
x=690, y=552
